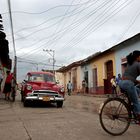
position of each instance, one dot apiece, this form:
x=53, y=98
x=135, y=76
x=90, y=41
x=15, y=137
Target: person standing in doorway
x=69, y=88
x=84, y=86
x=114, y=85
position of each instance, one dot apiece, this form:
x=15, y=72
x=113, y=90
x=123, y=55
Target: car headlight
x=29, y=87
x=62, y=89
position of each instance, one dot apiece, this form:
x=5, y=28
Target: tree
x=1, y=26
x=4, y=47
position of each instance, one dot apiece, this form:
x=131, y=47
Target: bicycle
x=116, y=114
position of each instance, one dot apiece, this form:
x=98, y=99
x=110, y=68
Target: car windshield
x=49, y=78
x=41, y=78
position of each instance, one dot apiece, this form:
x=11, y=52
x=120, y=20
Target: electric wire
x=92, y=29
x=130, y=25
x=49, y=27
x=82, y=20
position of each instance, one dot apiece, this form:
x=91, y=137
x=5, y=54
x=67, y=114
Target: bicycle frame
x=127, y=100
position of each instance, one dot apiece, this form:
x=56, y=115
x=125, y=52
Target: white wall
x=122, y=53
x=84, y=69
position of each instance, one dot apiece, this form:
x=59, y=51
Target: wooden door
x=109, y=73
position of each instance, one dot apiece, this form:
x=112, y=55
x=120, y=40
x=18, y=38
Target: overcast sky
x=74, y=29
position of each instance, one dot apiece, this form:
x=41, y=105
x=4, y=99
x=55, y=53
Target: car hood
x=44, y=86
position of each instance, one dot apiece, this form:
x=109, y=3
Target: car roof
x=40, y=72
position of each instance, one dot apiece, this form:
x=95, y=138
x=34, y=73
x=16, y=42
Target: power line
x=24, y=12
x=92, y=29
x=55, y=24
x=32, y=33
x=82, y=20
x=35, y=62
x=130, y=25
x=87, y=32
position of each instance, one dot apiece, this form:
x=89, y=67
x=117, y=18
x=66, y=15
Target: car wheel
x=26, y=103
x=22, y=98
x=59, y=104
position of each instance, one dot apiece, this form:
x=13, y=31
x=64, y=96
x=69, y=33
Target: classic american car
x=41, y=86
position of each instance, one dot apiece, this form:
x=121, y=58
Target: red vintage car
x=41, y=86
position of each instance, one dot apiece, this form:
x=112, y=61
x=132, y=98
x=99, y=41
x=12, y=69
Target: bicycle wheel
x=114, y=116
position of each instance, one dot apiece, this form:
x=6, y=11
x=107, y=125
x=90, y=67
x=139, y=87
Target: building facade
x=99, y=68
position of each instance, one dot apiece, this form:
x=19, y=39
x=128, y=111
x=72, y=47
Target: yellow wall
x=99, y=63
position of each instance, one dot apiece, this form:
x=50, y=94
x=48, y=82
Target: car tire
x=22, y=98
x=26, y=103
x=59, y=104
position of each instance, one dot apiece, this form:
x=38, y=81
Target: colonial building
x=99, y=68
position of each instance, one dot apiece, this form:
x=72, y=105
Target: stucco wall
x=86, y=67
x=79, y=78
x=59, y=77
x=100, y=65
x=122, y=52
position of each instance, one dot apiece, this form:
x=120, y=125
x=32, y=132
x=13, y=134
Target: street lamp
x=51, y=53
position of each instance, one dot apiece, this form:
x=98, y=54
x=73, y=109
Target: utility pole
x=52, y=54
x=13, y=40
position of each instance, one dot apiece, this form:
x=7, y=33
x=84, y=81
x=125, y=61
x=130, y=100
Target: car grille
x=42, y=93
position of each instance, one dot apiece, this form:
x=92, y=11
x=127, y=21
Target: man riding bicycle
x=129, y=80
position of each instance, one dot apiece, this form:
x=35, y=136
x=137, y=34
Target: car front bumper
x=47, y=98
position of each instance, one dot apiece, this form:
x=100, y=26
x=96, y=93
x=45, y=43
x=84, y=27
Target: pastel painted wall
x=86, y=68
x=99, y=63
x=79, y=79
x=122, y=52
x=59, y=77
x=68, y=75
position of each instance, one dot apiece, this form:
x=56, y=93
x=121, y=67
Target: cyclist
x=129, y=79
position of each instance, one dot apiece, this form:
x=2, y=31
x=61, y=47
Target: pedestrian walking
x=69, y=88
x=7, y=86
x=114, y=85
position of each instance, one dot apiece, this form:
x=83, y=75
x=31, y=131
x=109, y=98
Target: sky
x=73, y=29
